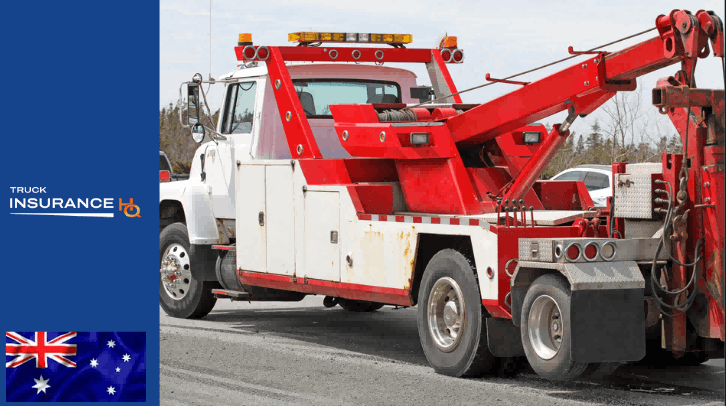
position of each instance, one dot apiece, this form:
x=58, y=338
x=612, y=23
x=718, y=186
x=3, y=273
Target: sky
x=498, y=37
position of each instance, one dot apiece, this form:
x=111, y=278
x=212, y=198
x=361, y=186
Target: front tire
x=546, y=329
x=182, y=293
x=451, y=323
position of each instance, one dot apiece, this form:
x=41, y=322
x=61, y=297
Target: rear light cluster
x=452, y=55
x=260, y=53
x=591, y=251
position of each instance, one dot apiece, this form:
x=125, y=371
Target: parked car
x=165, y=165
x=598, y=180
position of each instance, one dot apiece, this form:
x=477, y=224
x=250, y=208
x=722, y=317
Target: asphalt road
x=268, y=353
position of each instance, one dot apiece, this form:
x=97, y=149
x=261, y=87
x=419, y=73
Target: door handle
x=261, y=218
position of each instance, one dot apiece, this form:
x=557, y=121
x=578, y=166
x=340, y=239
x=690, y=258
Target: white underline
x=69, y=214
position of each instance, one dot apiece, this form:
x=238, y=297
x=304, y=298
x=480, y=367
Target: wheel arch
x=428, y=246
x=171, y=211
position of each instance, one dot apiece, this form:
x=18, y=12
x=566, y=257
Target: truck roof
x=332, y=70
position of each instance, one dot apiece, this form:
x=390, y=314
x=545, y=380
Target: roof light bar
x=349, y=37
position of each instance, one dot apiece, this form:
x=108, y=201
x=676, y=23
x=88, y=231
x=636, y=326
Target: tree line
x=175, y=140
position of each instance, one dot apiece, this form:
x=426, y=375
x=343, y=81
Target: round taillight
x=446, y=54
x=591, y=251
x=458, y=55
x=249, y=52
x=263, y=53
x=573, y=252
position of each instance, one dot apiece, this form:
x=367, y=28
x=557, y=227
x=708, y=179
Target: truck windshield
x=316, y=95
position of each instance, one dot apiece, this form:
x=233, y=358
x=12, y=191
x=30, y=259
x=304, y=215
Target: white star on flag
x=127, y=357
x=94, y=363
x=118, y=369
x=111, y=344
x=111, y=390
x=41, y=384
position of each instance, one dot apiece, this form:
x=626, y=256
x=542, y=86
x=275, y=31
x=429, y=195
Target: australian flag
x=75, y=367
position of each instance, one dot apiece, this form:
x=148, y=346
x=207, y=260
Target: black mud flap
x=503, y=338
x=205, y=260
x=608, y=325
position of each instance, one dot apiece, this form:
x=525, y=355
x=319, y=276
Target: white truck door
x=322, y=239
x=239, y=123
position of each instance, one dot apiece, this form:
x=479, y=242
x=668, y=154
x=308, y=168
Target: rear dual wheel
x=546, y=330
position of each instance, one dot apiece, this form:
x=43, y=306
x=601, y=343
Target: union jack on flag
x=40, y=349
x=75, y=366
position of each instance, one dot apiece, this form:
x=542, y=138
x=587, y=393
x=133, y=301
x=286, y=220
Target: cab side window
x=240, y=111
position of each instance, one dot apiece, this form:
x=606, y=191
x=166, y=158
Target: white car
x=598, y=180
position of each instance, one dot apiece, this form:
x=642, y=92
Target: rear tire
x=451, y=322
x=546, y=329
x=188, y=297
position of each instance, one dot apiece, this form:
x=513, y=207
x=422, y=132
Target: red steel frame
x=434, y=179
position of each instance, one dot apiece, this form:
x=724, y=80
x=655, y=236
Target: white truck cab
x=252, y=125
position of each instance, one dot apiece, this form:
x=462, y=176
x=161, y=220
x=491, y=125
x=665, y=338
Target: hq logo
x=129, y=209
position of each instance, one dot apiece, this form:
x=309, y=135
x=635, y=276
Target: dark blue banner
x=80, y=188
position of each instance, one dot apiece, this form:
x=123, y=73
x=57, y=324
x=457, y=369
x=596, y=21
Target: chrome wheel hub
x=545, y=327
x=446, y=314
x=176, y=274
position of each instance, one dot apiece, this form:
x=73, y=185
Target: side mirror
x=198, y=133
x=192, y=104
x=422, y=93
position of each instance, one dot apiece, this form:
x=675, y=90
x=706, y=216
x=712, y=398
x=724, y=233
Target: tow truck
x=332, y=174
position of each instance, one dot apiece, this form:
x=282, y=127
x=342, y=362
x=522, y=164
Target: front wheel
x=181, y=294
x=546, y=329
x=451, y=323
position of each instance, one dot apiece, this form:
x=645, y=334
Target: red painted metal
x=401, y=297
x=223, y=247
x=345, y=54
x=437, y=186
x=537, y=164
x=376, y=199
x=563, y=195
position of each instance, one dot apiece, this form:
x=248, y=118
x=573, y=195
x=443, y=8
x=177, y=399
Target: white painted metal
x=383, y=251
x=322, y=259
x=280, y=219
x=251, y=238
